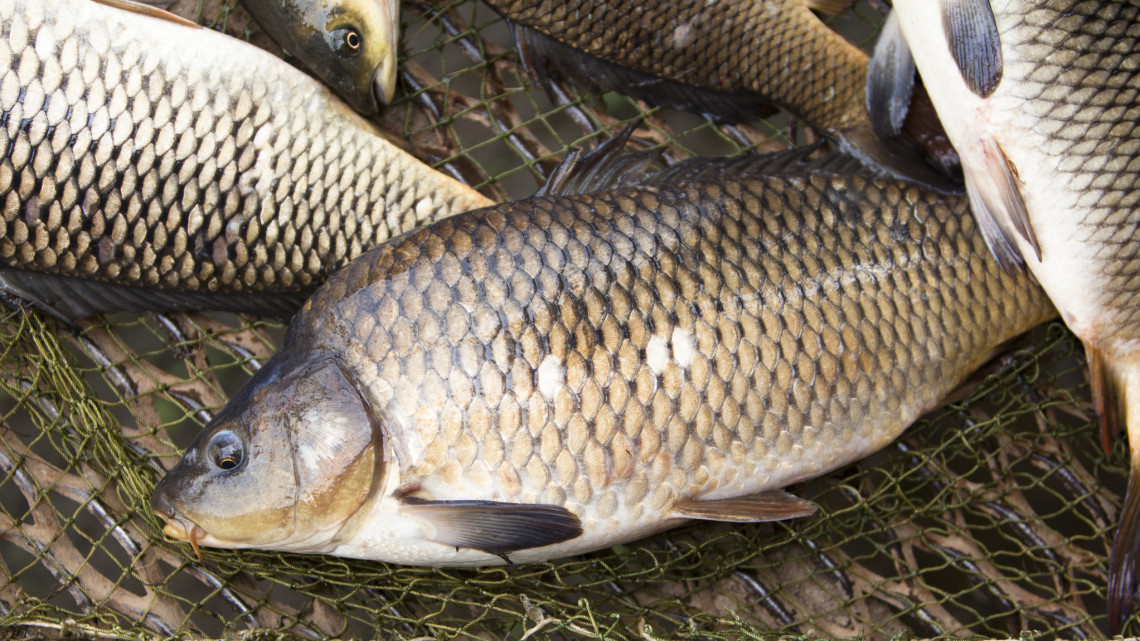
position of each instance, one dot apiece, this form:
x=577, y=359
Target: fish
x=730, y=61
x=351, y=45
x=151, y=164
x=565, y=373
x=1042, y=100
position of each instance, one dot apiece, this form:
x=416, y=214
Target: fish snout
x=384, y=81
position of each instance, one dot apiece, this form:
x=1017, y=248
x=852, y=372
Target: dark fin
x=149, y=10
x=776, y=505
x=69, y=299
x=972, y=33
x=995, y=196
x=1108, y=397
x=830, y=7
x=605, y=167
x=1123, y=577
x=893, y=157
x=495, y=528
x=890, y=80
x=780, y=163
x=925, y=129
x=540, y=53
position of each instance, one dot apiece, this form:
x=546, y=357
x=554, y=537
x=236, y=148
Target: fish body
x=729, y=60
x=349, y=44
x=564, y=373
x=154, y=165
x=1042, y=100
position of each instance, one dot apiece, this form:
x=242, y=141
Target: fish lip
x=384, y=83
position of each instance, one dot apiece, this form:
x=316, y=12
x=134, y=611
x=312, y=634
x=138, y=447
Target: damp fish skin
x=568, y=373
x=351, y=45
x=152, y=164
x=728, y=60
x=1042, y=100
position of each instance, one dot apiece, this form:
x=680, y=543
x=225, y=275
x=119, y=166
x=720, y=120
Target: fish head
x=350, y=44
x=283, y=466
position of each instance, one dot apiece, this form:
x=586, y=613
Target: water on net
x=991, y=516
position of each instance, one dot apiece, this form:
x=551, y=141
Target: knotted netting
x=989, y=517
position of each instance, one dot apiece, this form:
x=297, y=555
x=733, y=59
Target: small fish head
x=282, y=466
x=350, y=44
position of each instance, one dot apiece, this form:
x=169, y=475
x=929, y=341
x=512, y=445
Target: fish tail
x=1116, y=397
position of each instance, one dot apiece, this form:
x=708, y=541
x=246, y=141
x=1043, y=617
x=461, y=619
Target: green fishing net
x=992, y=516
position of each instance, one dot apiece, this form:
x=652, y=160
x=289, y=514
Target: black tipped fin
x=149, y=9
x=605, y=167
x=972, y=33
x=776, y=505
x=995, y=196
x=69, y=299
x=540, y=53
x=890, y=80
x=496, y=528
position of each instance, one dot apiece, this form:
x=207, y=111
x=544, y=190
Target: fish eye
x=353, y=40
x=225, y=450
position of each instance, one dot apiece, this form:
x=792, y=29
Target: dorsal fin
x=604, y=167
x=539, y=53
x=148, y=10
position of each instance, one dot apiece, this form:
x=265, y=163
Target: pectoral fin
x=995, y=196
x=890, y=80
x=776, y=505
x=495, y=528
x=975, y=43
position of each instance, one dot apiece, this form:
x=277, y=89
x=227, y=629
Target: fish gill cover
x=990, y=517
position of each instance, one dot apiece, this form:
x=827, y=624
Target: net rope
x=991, y=516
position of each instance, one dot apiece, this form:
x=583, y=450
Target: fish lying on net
x=351, y=45
x=154, y=164
x=729, y=60
x=1042, y=100
x=564, y=373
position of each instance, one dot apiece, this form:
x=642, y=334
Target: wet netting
x=992, y=516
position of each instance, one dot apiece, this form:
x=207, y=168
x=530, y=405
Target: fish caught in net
x=991, y=516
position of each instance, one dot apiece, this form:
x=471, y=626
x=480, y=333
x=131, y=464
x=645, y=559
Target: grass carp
x=1042, y=100
x=349, y=44
x=563, y=373
x=730, y=60
x=153, y=164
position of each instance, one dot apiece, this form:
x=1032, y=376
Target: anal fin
x=495, y=527
x=774, y=505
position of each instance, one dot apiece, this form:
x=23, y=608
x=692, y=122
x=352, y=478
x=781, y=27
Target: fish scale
x=148, y=154
x=620, y=359
x=1042, y=100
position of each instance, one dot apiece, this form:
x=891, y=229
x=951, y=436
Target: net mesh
x=989, y=517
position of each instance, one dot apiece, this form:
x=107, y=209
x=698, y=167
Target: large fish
x=1042, y=100
x=730, y=59
x=152, y=164
x=564, y=373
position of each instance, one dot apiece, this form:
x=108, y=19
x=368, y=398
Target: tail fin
x=1116, y=396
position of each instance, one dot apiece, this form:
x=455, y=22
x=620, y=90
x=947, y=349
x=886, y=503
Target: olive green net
x=990, y=517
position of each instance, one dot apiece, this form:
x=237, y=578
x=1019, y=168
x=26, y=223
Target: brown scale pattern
x=773, y=48
x=141, y=152
x=1077, y=75
x=618, y=352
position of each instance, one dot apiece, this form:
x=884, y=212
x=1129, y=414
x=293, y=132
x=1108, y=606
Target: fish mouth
x=178, y=529
x=384, y=81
